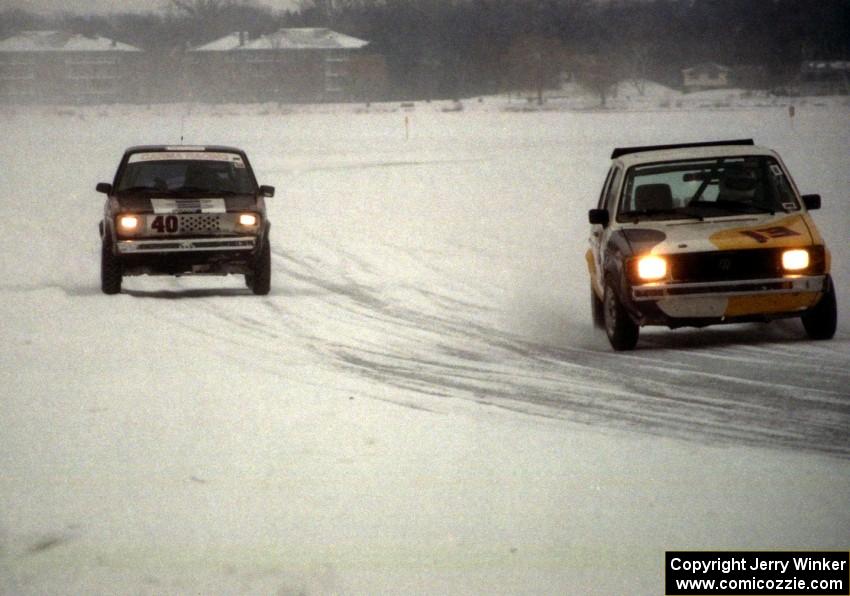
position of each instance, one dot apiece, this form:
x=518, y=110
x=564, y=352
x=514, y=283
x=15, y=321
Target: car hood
x=139, y=203
x=735, y=233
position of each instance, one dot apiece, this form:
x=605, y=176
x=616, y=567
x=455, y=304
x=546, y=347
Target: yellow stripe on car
x=766, y=304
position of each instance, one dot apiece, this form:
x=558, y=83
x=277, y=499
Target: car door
x=600, y=234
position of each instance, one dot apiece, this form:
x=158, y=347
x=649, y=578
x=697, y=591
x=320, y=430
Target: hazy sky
x=106, y=6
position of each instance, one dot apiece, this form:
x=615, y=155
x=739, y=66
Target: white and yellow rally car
x=705, y=233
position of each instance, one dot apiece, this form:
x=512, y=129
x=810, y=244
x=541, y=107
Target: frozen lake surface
x=421, y=404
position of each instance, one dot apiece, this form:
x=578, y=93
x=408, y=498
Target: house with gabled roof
x=295, y=64
x=60, y=66
x=824, y=77
x=708, y=75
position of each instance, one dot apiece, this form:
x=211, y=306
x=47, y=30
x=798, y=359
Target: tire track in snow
x=760, y=395
x=338, y=310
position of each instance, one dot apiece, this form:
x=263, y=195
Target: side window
x=780, y=187
x=611, y=193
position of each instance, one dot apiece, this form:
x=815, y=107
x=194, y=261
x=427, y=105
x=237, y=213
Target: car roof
x=688, y=153
x=211, y=148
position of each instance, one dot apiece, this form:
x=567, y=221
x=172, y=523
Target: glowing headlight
x=795, y=259
x=128, y=223
x=247, y=219
x=651, y=268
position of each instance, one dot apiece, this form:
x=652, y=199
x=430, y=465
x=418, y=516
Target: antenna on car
x=183, y=122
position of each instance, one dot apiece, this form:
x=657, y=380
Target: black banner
x=760, y=573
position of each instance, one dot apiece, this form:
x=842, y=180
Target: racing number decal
x=166, y=224
x=788, y=231
x=765, y=234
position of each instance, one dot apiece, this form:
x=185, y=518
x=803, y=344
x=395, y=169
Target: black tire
x=261, y=279
x=111, y=271
x=596, y=310
x=821, y=320
x=621, y=330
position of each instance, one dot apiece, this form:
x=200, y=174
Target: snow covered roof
x=826, y=66
x=706, y=67
x=306, y=38
x=61, y=41
x=230, y=41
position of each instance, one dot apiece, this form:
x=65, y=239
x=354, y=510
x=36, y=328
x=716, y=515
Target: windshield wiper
x=193, y=189
x=736, y=207
x=140, y=189
x=204, y=191
x=636, y=215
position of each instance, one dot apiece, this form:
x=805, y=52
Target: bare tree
x=322, y=11
x=534, y=62
x=636, y=64
x=207, y=19
x=639, y=41
x=598, y=73
x=204, y=10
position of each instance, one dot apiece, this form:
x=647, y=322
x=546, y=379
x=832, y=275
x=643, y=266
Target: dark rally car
x=185, y=210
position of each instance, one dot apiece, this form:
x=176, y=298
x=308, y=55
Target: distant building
x=752, y=76
x=708, y=75
x=57, y=66
x=290, y=65
x=302, y=64
x=824, y=77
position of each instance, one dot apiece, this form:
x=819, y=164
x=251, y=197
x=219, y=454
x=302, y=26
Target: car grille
x=731, y=265
x=199, y=224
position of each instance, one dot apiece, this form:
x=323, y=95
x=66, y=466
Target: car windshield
x=191, y=172
x=706, y=188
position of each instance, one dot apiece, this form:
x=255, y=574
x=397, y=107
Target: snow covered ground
x=421, y=404
x=645, y=95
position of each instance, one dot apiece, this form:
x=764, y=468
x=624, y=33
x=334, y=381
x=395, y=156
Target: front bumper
x=183, y=245
x=188, y=256
x=710, y=303
x=750, y=287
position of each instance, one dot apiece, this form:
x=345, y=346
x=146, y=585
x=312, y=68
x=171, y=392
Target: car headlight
x=248, y=220
x=128, y=223
x=795, y=259
x=651, y=268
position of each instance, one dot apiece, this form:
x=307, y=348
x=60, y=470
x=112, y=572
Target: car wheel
x=820, y=321
x=249, y=280
x=261, y=279
x=111, y=272
x=621, y=330
x=596, y=310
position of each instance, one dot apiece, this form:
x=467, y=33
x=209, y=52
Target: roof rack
x=626, y=150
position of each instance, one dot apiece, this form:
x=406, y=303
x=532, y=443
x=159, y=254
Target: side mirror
x=104, y=187
x=599, y=216
x=811, y=201
x=266, y=191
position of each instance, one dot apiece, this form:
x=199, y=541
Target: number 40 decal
x=167, y=224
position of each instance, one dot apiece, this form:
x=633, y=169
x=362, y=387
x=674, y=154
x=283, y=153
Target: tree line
x=464, y=48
